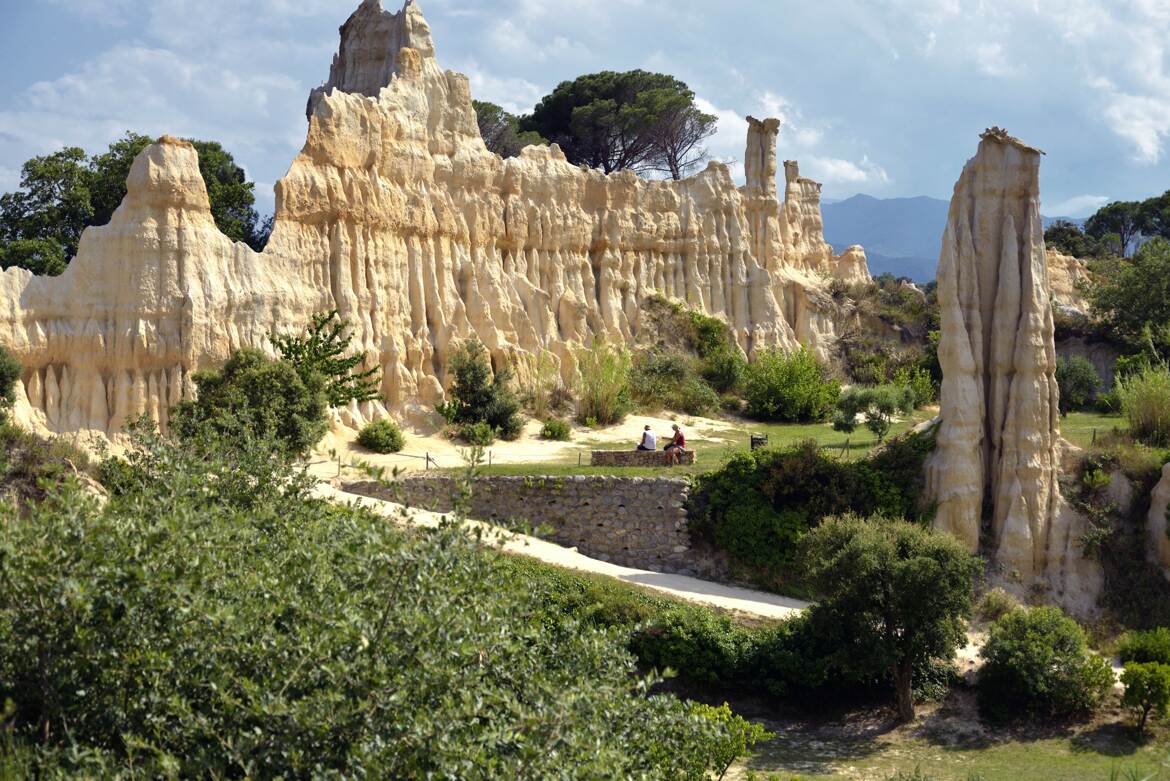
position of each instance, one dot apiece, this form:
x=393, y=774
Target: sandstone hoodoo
x=994, y=472
x=396, y=215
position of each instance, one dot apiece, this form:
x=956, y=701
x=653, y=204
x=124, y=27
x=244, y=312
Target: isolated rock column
x=994, y=473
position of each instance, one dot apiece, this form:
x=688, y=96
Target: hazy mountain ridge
x=901, y=235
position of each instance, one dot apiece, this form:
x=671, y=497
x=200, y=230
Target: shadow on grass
x=1111, y=740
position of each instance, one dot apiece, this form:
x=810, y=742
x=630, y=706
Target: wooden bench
x=645, y=458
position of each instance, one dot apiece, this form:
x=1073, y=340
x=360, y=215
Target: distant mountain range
x=901, y=235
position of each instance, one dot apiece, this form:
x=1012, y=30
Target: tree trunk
x=904, y=691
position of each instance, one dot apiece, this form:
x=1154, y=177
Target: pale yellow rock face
x=1065, y=274
x=994, y=472
x=396, y=214
x=1159, y=543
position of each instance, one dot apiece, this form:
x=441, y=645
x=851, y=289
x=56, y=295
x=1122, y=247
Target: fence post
x=428, y=467
x=1094, y=436
x=489, y=458
x=845, y=448
x=578, y=458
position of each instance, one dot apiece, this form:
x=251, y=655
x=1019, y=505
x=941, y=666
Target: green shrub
x=1078, y=381
x=740, y=736
x=1150, y=646
x=723, y=369
x=322, y=351
x=1145, y=403
x=791, y=388
x=663, y=379
x=32, y=466
x=758, y=504
x=604, y=396
x=479, y=395
x=254, y=398
x=477, y=434
x=921, y=385
x=1037, y=664
x=10, y=372
x=878, y=405
x=382, y=436
x=1147, y=689
x=702, y=645
x=556, y=430
x=996, y=604
x=278, y=636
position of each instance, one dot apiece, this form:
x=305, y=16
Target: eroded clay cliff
x=994, y=474
x=397, y=215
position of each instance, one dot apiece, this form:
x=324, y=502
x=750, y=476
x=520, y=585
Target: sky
x=884, y=97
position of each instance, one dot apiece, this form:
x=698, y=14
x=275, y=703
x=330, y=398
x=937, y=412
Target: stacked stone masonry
x=631, y=521
x=643, y=458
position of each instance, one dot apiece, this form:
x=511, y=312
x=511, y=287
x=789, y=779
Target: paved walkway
x=741, y=600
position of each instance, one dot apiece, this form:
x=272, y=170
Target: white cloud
x=1076, y=206
x=835, y=171
x=516, y=95
x=992, y=60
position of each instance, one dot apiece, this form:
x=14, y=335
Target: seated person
x=677, y=445
x=649, y=441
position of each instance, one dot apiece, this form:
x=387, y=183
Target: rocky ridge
x=396, y=214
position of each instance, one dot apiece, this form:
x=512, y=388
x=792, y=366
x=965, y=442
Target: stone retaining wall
x=638, y=458
x=631, y=521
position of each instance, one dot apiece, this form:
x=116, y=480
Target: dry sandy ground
x=444, y=453
x=740, y=600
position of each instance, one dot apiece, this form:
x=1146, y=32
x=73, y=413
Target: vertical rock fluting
x=397, y=215
x=994, y=474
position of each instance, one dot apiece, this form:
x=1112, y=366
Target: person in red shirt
x=677, y=445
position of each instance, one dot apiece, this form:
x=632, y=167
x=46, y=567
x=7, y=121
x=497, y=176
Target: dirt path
x=740, y=600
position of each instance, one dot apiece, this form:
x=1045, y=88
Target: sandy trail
x=444, y=453
x=741, y=600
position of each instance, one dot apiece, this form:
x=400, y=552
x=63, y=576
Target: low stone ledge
x=645, y=458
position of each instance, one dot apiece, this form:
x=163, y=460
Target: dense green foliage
x=876, y=405
x=896, y=588
x=215, y=621
x=1070, y=239
x=1145, y=403
x=255, y=398
x=556, y=430
x=759, y=504
x=479, y=434
x=480, y=395
x=604, y=396
x=324, y=350
x=1131, y=298
x=381, y=436
x=1037, y=664
x=1143, y=647
x=501, y=131
x=661, y=379
x=1078, y=381
x=10, y=371
x=31, y=466
x=789, y=388
x=64, y=193
x=612, y=121
x=1147, y=689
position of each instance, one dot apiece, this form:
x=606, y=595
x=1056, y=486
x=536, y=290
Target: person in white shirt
x=649, y=441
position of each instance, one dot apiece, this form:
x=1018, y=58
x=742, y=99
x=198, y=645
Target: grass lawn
x=1078, y=427
x=714, y=448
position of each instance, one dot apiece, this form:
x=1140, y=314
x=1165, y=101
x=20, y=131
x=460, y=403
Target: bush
x=604, y=398
x=1147, y=689
x=790, y=388
x=1145, y=403
x=556, y=430
x=1151, y=646
x=480, y=396
x=661, y=379
x=1078, y=381
x=477, y=434
x=254, y=398
x=279, y=636
x=32, y=466
x=704, y=646
x=382, y=436
x=1037, y=664
x=996, y=604
x=920, y=384
x=322, y=351
x=10, y=371
x=758, y=504
x=740, y=736
x=877, y=405
x=723, y=369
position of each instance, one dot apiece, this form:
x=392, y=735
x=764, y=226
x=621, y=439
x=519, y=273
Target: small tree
x=10, y=371
x=901, y=590
x=1145, y=403
x=1037, y=663
x=255, y=398
x=739, y=736
x=323, y=350
x=878, y=406
x=789, y=388
x=500, y=130
x=479, y=395
x=1078, y=381
x=1147, y=689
